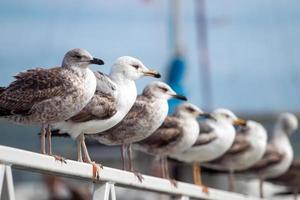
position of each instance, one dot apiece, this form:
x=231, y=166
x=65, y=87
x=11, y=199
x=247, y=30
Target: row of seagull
x=72, y=99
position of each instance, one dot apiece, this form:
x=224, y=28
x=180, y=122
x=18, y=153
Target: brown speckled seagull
x=147, y=114
x=177, y=134
x=46, y=96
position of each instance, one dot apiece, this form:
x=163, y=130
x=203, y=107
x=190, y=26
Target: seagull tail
x=4, y=112
x=56, y=133
x=2, y=89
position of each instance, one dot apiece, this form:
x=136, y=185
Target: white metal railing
x=109, y=177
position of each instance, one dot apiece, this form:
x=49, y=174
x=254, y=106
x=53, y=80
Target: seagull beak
x=97, y=61
x=178, y=96
x=152, y=73
x=206, y=116
x=240, y=122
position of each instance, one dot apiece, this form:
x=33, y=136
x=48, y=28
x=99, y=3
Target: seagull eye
x=77, y=56
x=164, y=89
x=135, y=66
x=191, y=109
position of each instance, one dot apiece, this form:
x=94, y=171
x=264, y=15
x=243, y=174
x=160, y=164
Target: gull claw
x=138, y=175
x=173, y=182
x=60, y=159
x=96, y=170
x=205, y=189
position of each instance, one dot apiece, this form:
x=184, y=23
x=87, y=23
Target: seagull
x=177, y=134
x=279, y=153
x=46, y=96
x=215, y=138
x=115, y=95
x=290, y=178
x=147, y=114
x=248, y=147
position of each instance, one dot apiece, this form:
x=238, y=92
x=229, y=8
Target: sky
x=253, y=44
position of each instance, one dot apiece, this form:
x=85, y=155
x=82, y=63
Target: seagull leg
x=261, y=188
x=86, y=155
x=197, y=177
x=162, y=168
x=136, y=173
x=49, y=146
x=295, y=192
x=79, y=153
x=43, y=140
x=123, y=156
x=231, y=180
x=129, y=156
x=49, y=142
x=166, y=167
x=96, y=167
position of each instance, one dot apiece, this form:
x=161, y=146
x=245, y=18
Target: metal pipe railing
x=109, y=177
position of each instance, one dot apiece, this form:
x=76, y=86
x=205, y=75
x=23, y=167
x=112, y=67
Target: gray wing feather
x=169, y=132
x=138, y=110
x=31, y=87
x=207, y=134
x=271, y=157
x=102, y=106
x=105, y=84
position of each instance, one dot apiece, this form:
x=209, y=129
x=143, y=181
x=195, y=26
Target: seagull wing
x=206, y=136
x=139, y=110
x=240, y=145
x=102, y=106
x=271, y=157
x=105, y=84
x=31, y=87
x=168, y=133
x=289, y=178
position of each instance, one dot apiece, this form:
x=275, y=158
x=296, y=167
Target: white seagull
x=115, y=95
x=215, y=138
x=249, y=146
x=177, y=134
x=147, y=114
x=279, y=154
x=46, y=96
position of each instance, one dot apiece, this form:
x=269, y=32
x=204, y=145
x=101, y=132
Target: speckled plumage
x=116, y=94
x=146, y=115
x=46, y=95
x=176, y=134
x=214, y=139
x=102, y=106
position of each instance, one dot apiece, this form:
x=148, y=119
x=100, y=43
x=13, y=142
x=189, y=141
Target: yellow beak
x=240, y=122
x=152, y=73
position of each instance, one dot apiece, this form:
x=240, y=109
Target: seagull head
x=188, y=110
x=161, y=90
x=229, y=116
x=255, y=130
x=288, y=122
x=132, y=68
x=80, y=58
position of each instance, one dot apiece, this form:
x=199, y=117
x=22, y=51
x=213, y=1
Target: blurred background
x=242, y=55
